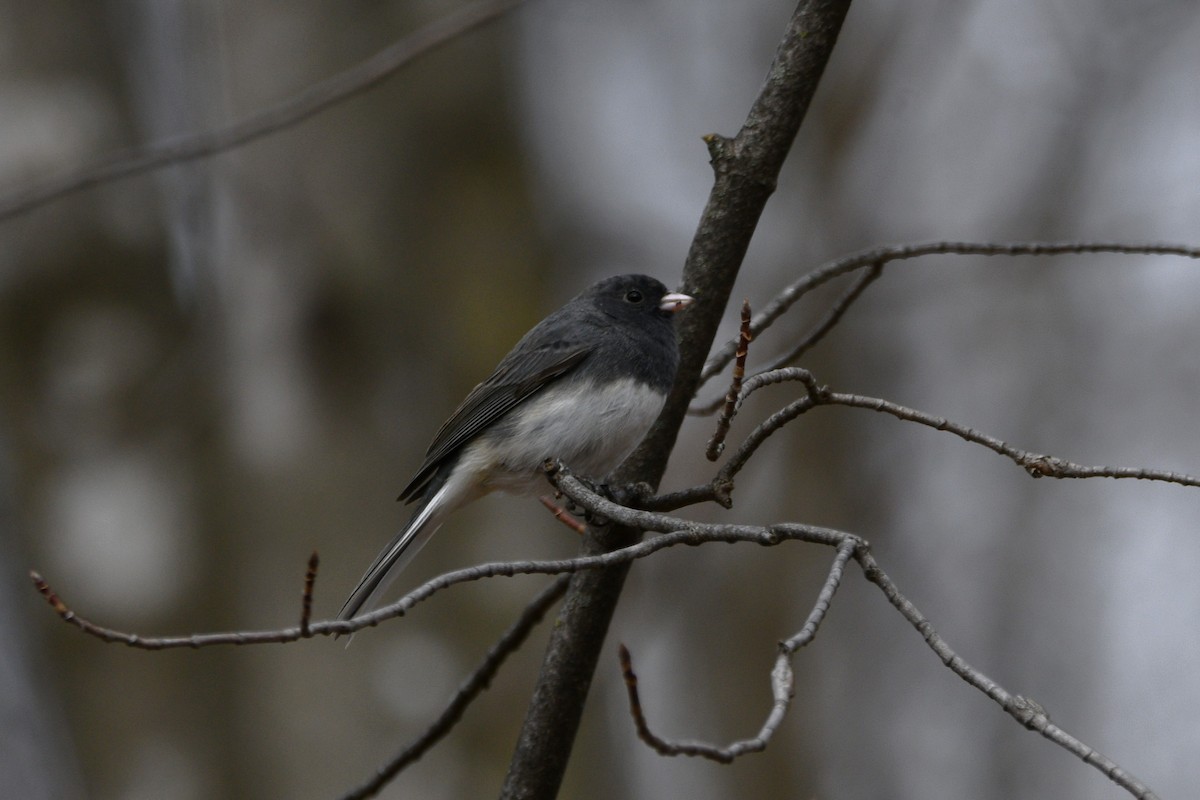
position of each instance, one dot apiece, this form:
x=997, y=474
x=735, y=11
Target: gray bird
x=583, y=386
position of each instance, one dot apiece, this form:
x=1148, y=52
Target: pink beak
x=675, y=302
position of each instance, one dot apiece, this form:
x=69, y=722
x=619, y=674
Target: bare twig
x=308, y=103
x=760, y=434
x=472, y=687
x=831, y=319
x=1027, y=712
x=715, y=491
x=674, y=532
x=1037, y=465
x=782, y=679
x=52, y=598
x=684, y=533
x=878, y=257
x=717, y=443
x=195, y=641
x=819, y=332
x=306, y=600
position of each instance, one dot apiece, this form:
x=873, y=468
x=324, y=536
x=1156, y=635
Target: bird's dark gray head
x=629, y=297
x=633, y=337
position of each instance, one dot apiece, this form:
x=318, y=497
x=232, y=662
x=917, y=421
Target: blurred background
x=212, y=370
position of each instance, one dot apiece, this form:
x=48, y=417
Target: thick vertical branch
x=746, y=168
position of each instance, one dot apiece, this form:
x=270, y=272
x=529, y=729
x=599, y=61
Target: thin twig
x=877, y=257
x=831, y=319
x=674, y=532
x=760, y=434
x=810, y=340
x=52, y=598
x=782, y=679
x=472, y=687
x=715, y=492
x=306, y=600
x=1038, y=465
x=717, y=443
x=1027, y=712
x=677, y=532
x=308, y=103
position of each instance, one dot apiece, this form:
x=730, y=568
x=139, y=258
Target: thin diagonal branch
x=831, y=318
x=676, y=532
x=810, y=340
x=717, y=444
x=1037, y=465
x=308, y=103
x=885, y=254
x=472, y=687
x=1027, y=712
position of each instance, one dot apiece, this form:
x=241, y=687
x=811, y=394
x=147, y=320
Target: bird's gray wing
x=521, y=374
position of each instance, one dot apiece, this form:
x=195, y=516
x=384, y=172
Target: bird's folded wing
x=517, y=378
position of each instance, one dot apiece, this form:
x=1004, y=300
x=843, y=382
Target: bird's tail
x=395, y=557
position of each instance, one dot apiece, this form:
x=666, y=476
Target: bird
x=583, y=386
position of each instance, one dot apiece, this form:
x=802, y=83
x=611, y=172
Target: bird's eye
x=633, y=296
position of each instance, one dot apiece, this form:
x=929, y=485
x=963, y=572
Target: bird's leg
x=630, y=495
x=577, y=510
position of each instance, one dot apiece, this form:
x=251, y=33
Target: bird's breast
x=591, y=428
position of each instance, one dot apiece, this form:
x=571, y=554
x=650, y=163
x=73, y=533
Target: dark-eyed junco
x=583, y=386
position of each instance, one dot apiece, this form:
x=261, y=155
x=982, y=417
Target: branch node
x=1043, y=466
x=1028, y=712
x=783, y=677
x=723, y=492
x=720, y=149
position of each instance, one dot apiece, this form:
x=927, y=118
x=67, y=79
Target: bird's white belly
x=591, y=431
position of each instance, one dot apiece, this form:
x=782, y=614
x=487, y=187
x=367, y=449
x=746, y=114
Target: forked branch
x=673, y=532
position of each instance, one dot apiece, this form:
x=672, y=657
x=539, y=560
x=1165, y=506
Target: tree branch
x=819, y=332
x=1025, y=711
x=716, y=445
x=674, y=532
x=878, y=257
x=1037, y=465
x=308, y=103
x=306, y=597
x=782, y=680
x=472, y=687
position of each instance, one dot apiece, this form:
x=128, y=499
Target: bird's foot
x=629, y=495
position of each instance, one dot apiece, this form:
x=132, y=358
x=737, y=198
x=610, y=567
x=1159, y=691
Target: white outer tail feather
x=396, y=557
